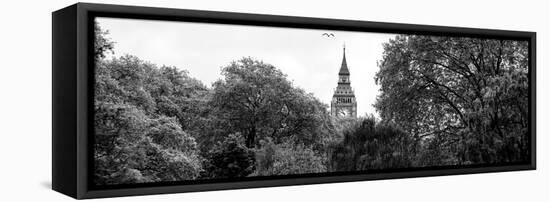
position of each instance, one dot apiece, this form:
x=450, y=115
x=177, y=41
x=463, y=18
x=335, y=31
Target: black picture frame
x=73, y=81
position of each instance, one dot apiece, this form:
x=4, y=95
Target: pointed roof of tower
x=344, y=68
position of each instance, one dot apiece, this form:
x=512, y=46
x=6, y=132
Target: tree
x=139, y=114
x=229, y=159
x=102, y=44
x=131, y=146
x=178, y=95
x=117, y=128
x=258, y=101
x=468, y=92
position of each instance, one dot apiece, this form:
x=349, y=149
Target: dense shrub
x=371, y=145
x=387, y=148
x=286, y=159
x=229, y=159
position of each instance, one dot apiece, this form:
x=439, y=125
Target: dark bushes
x=229, y=159
x=371, y=145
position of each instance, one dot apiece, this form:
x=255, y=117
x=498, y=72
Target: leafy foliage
x=136, y=139
x=130, y=147
x=230, y=159
x=259, y=102
x=287, y=159
x=102, y=44
x=467, y=94
x=371, y=145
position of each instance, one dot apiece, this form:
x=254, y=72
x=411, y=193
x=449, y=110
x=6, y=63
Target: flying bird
x=328, y=34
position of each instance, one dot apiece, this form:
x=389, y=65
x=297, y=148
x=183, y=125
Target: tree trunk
x=250, y=137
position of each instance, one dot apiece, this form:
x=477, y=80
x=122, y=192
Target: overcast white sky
x=309, y=59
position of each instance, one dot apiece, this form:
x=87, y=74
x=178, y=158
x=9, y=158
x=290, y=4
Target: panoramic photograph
x=187, y=101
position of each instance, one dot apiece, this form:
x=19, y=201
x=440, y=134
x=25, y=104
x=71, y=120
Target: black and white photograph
x=187, y=101
x=275, y=101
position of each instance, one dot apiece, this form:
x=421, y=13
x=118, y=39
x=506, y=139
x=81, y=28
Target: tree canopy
x=260, y=102
x=465, y=93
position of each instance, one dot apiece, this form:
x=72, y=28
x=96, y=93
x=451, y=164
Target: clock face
x=344, y=112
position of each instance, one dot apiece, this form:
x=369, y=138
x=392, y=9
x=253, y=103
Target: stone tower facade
x=343, y=102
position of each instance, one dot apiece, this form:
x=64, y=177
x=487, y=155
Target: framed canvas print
x=156, y=100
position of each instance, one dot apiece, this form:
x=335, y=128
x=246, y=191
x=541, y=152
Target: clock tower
x=343, y=102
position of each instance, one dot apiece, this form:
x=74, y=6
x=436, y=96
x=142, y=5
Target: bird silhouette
x=328, y=34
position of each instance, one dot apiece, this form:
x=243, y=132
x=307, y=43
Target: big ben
x=343, y=102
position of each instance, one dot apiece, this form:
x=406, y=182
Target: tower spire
x=344, y=68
